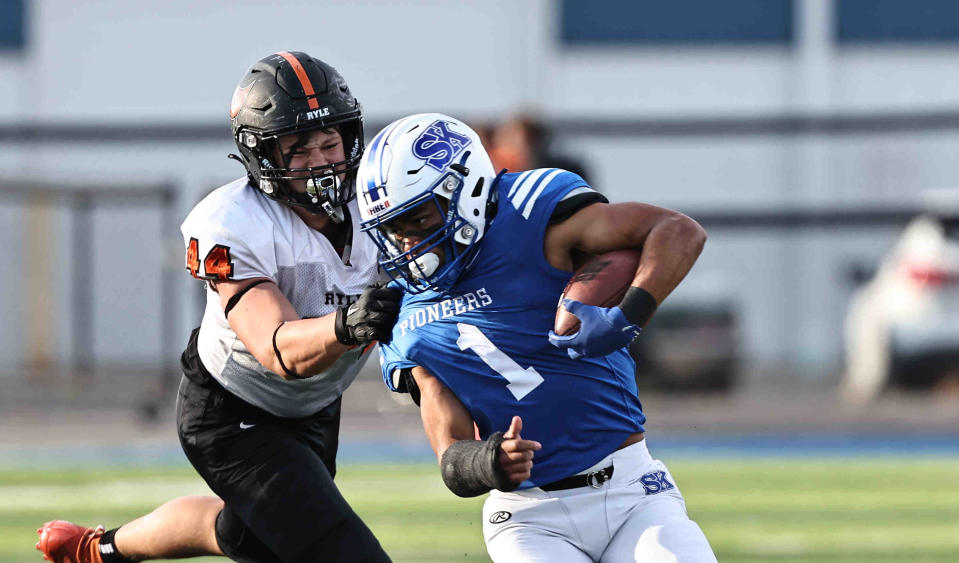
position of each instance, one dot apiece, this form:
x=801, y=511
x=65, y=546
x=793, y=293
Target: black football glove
x=370, y=318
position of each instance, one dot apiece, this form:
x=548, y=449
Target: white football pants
x=638, y=515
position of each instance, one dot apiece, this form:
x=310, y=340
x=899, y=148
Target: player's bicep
x=261, y=307
x=445, y=418
x=604, y=227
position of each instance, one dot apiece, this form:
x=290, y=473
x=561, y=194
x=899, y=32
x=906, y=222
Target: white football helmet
x=426, y=158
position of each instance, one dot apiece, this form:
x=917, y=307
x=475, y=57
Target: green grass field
x=795, y=510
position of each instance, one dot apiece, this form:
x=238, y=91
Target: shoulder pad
x=229, y=236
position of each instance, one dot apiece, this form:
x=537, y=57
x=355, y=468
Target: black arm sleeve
x=566, y=208
x=470, y=467
x=409, y=385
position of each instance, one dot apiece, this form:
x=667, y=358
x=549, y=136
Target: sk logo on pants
x=656, y=482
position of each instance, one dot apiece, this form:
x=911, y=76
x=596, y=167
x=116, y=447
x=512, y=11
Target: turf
x=795, y=510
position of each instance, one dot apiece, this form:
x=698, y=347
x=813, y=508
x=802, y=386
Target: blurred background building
x=801, y=133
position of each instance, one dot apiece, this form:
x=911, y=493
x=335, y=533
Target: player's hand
x=516, y=454
x=370, y=318
x=602, y=331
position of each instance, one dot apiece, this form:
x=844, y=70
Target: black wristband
x=638, y=306
x=471, y=467
x=339, y=328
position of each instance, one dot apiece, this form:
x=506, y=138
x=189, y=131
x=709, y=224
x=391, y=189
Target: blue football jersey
x=486, y=340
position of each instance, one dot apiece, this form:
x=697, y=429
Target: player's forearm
x=669, y=252
x=444, y=417
x=305, y=347
x=443, y=432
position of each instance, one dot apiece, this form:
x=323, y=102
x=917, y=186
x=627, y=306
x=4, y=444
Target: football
x=602, y=281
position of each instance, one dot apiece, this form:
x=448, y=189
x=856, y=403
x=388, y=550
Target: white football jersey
x=238, y=233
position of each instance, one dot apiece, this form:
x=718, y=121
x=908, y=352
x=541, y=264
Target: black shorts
x=274, y=474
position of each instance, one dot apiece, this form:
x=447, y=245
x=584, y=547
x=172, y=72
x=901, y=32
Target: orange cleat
x=65, y=542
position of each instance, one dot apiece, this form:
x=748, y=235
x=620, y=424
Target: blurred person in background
x=523, y=142
x=484, y=130
x=292, y=313
x=902, y=326
x=482, y=258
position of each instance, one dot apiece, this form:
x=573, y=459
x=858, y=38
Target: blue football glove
x=602, y=331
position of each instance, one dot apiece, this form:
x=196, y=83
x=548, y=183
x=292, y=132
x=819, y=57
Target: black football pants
x=275, y=476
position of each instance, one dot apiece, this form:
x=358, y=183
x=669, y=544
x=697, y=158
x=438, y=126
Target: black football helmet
x=292, y=92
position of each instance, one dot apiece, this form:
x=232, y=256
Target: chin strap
x=425, y=265
x=336, y=213
x=321, y=189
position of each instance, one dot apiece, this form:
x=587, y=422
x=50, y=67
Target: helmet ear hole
x=478, y=188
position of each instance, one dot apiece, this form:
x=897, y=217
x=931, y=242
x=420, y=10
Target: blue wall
x=13, y=15
x=708, y=22
x=897, y=21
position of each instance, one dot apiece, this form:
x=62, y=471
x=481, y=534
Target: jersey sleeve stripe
x=578, y=191
x=525, y=187
x=519, y=181
x=542, y=185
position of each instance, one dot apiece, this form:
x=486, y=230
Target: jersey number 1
x=521, y=381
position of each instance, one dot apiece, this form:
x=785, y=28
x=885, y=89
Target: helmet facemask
x=440, y=256
x=291, y=93
x=324, y=191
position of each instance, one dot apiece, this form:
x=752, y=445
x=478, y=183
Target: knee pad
x=237, y=541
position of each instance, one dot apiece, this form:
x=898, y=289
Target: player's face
x=319, y=147
x=414, y=226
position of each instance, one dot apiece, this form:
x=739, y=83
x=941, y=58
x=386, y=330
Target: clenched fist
x=370, y=318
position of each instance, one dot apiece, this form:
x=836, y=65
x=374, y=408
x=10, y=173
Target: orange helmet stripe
x=304, y=79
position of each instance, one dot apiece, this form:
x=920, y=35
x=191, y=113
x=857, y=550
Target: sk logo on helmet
x=438, y=145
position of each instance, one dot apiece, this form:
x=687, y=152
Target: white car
x=902, y=327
